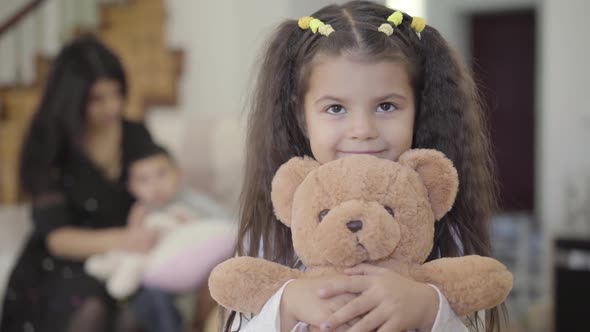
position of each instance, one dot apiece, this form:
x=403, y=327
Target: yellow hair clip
x=418, y=25
x=326, y=29
x=315, y=25
x=396, y=18
x=386, y=28
x=304, y=22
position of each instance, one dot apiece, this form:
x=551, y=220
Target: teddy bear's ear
x=288, y=177
x=438, y=175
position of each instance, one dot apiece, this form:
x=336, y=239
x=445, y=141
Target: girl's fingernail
x=322, y=292
x=325, y=326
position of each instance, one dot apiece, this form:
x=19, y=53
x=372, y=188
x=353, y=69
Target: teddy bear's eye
x=323, y=213
x=390, y=211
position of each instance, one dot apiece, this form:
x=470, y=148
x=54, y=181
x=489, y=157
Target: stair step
x=135, y=29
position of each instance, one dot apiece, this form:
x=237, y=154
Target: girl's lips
x=362, y=152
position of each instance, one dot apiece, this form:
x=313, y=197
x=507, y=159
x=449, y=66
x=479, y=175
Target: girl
x=73, y=164
x=356, y=79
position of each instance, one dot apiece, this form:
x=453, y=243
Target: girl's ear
x=439, y=176
x=286, y=181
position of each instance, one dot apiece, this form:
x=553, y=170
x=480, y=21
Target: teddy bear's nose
x=354, y=225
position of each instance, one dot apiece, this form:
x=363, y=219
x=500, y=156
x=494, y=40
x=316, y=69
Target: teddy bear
x=363, y=209
x=187, y=249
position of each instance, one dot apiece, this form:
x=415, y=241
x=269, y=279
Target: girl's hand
x=301, y=302
x=138, y=239
x=387, y=301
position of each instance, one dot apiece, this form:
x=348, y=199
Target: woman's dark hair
x=58, y=122
x=449, y=118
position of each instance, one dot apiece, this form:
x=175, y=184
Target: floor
x=14, y=227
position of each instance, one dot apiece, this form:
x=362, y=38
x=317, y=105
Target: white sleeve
x=269, y=318
x=446, y=319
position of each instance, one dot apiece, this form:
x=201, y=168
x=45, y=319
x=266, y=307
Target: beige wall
x=222, y=40
x=563, y=80
x=562, y=106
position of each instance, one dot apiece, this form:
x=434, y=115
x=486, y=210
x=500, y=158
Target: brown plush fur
x=420, y=189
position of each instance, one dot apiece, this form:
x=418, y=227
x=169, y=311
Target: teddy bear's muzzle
x=357, y=231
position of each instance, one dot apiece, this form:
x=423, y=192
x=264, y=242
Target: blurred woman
x=73, y=165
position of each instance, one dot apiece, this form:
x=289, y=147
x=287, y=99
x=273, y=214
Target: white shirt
x=268, y=320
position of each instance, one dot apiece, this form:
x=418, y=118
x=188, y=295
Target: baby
x=155, y=181
x=162, y=205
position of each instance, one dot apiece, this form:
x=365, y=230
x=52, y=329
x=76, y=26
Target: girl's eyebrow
x=385, y=97
x=328, y=98
x=392, y=96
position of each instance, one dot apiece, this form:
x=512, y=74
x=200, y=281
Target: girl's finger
x=389, y=326
x=371, y=321
x=365, y=269
x=342, y=328
x=337, y=302
x=354, y=284
x=350, y=311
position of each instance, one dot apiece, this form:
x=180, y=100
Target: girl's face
x=105, y=104
x=357, y=106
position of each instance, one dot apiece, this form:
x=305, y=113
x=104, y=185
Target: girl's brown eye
x=390, y=211
x=323, y=213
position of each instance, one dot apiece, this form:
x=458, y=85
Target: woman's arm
x=55, y=222
x=79, y=243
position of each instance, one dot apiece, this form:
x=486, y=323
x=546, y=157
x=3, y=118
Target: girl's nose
x=363, y=126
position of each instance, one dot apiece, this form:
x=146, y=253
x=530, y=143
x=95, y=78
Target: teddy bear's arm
x=246, y=283
x=470, y=283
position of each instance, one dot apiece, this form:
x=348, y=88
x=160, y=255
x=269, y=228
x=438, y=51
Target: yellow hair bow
x=396, y=18
x=386, y=28
x=304, y=22
x=418, y=24
x=315, y=25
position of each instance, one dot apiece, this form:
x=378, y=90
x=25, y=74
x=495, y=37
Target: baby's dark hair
x=148, y=150
x=449, y=118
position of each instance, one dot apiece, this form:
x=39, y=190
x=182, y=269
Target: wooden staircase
x=135, y=30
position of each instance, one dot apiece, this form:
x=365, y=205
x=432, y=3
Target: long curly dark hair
x=449, y=118
x=58, y=123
